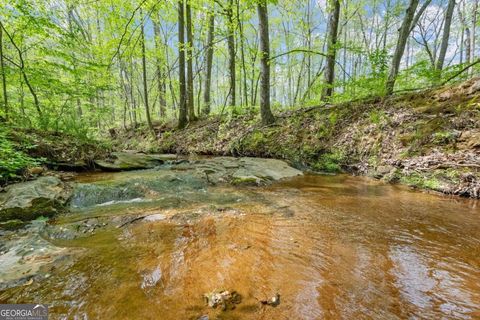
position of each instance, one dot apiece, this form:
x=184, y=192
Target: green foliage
x=419, y=181
x=443, y=137
x=330, y=162
x=12, y=161
x=83, y=59
x=379, y=63
x=378, y=117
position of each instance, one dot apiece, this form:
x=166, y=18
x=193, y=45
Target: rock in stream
x=29, y=200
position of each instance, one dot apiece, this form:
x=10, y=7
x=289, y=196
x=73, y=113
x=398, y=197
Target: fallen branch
x=462, y=71
x=298, y=51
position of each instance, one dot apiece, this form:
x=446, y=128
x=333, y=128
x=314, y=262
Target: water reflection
x=332, y=247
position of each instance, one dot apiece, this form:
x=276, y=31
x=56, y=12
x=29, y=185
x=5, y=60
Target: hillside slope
x=428, y=139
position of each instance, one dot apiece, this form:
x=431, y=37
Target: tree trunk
x=182, y=116
x=22, y=70
x=231, y=53
x=162, y=91
x=145, y=84
x=190, y=93
x=419, y=14
x=466, y=29
x=473, y=34
x=266, y=113
x=404, y=32
x=446, y=36
x=309, y=44
x=208, y=70
x=331, y=49
x=242, y=55
x=4, y=77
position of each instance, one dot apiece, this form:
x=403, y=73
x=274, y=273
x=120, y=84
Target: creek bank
x=428, y=140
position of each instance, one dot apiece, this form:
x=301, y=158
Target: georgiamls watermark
x=23, y=312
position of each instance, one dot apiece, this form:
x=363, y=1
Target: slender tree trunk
x=344, y=45
x=446, y=36
x=4, y=77
x=419, y=14
x=462, y=38
x=331, y=49
x=404, y=32
x=266, y=113
x=182, y=116
x=242, y=55
x=466, y=29
x=208, y=70
x=473, y=34
x=160, y=70
x=145, y=84
x=231, y=53
x=190, y=93
x=21, y=66
x=309, y=44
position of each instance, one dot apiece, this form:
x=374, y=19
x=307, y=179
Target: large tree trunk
x=446, y=35
x=331, y=48
x=266, y=113
x=404, y=32
x=231, y=53
x=190, y=93
x=162, y=90
x=208, y=70
x=145, y=84
x=4, y=77
x=182, y=116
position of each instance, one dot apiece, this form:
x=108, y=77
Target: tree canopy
x=78, y=65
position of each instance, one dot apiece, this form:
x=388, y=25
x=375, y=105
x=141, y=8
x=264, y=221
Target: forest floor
x=427, y=140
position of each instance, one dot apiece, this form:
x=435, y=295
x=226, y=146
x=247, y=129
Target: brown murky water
x=333, y=248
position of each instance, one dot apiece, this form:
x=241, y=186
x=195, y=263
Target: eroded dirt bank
x=429, y=140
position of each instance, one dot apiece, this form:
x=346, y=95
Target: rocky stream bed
x=235, y=238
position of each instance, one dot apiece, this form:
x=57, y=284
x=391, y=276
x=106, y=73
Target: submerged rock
x=25, y=201
x=125, y=161
x=135, y=187
x=273, y=301
x=227, y=300
x=26, y=254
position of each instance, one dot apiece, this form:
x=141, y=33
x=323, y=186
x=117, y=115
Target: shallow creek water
x=332, y=247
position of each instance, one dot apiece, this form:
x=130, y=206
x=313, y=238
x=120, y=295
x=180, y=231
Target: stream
x=149, y=244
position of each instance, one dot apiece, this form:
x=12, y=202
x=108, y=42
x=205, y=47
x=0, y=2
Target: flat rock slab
x=29, y=200
x=126, y=161
x=241, y=171
x=266, y=169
